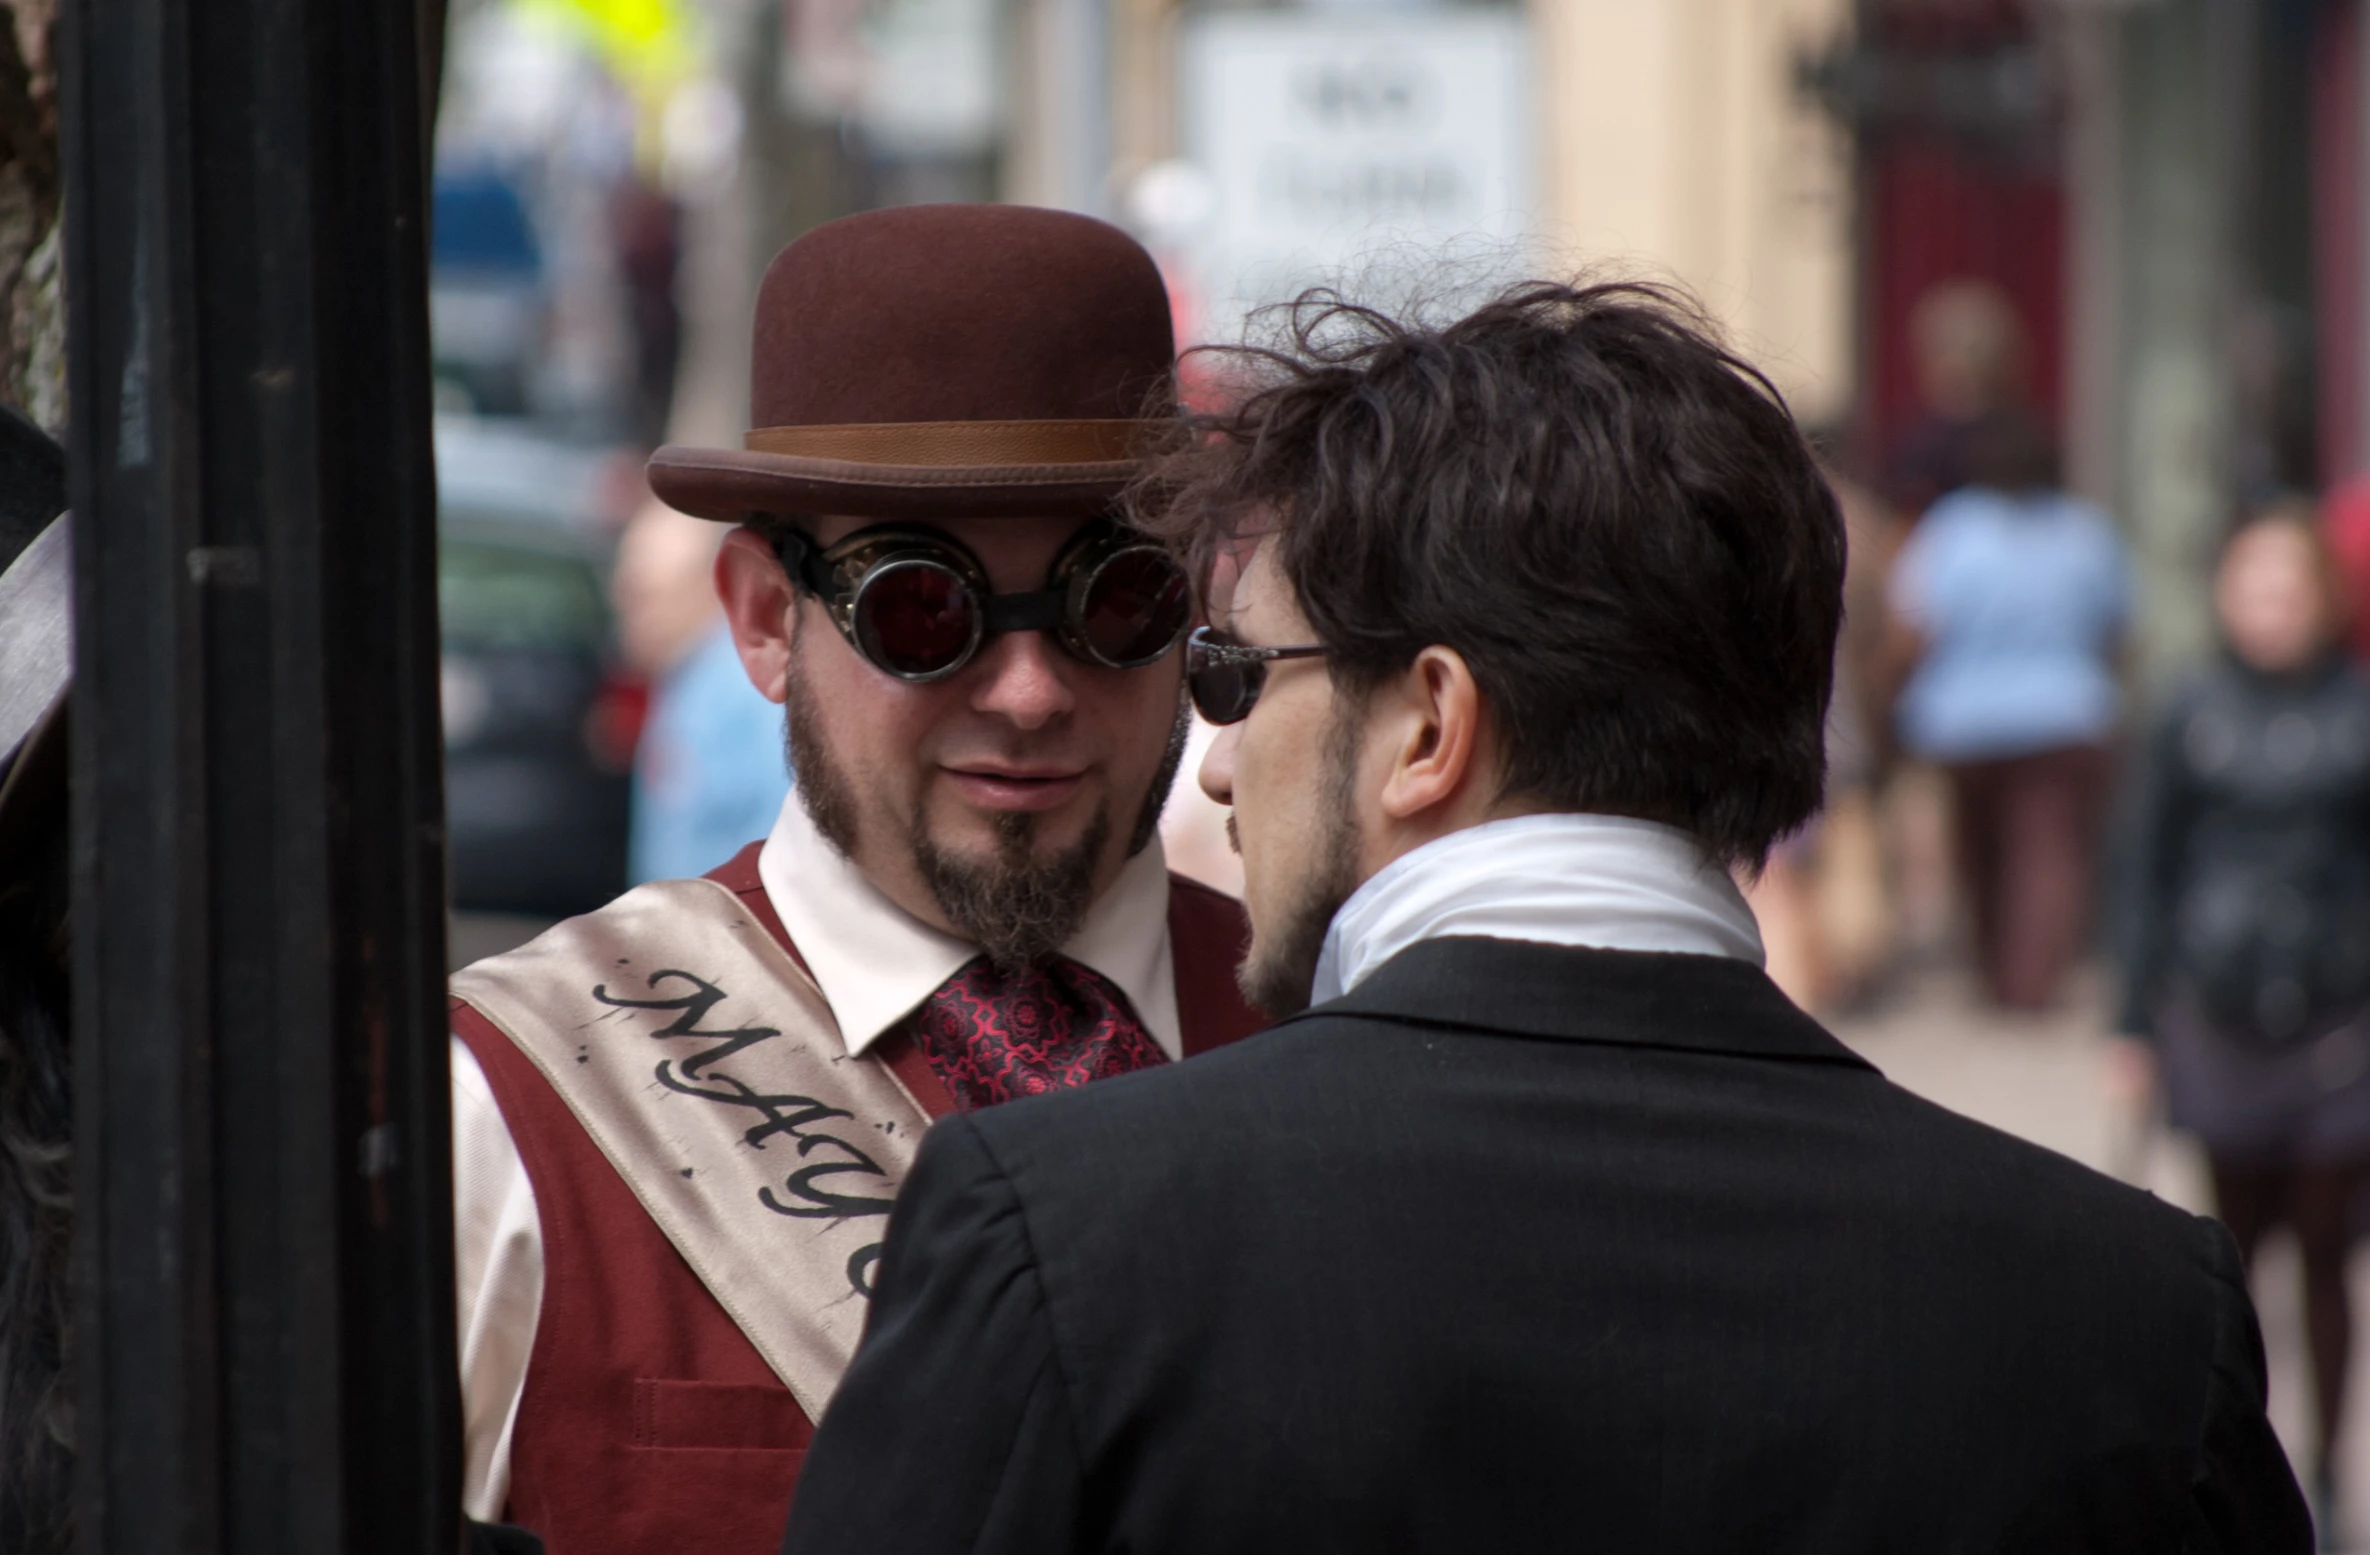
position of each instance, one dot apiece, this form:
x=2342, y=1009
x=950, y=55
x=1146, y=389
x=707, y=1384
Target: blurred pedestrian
x=1967, y=351
x=2009, y=601
x=646, y=224
x=2246, y=920
x=710, y=768
x=1823, y=900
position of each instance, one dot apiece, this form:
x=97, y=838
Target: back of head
x=1613, y=521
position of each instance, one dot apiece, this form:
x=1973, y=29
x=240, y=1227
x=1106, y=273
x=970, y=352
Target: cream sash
x=703, y=1061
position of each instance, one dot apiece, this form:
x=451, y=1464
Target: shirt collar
x=874, y=961
x=1597, y=880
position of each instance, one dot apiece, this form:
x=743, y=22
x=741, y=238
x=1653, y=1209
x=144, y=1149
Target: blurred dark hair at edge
x=1612, y=518
x=36, y=1086
x=36, y=1210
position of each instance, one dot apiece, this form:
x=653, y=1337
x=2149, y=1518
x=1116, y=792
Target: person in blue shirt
x=711, y=769
x=2010, y=601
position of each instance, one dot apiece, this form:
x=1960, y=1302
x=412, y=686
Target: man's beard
x=1016, y=907
x=1280, y=969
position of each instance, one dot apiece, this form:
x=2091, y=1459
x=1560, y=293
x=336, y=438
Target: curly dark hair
x=1609, y=516
x=36, y=1207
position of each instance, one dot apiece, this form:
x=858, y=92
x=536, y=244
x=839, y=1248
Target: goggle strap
x=803, y=560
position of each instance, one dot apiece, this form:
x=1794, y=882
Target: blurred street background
x=2067, y=291
x=2053, y=1080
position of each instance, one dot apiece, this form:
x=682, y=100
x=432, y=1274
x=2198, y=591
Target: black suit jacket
x=1520, y=1248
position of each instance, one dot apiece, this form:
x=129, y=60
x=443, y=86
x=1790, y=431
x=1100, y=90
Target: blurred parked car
x=539, y=723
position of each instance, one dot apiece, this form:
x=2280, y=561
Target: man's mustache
x=1055, y=755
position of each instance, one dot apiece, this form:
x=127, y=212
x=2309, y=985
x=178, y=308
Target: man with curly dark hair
x=1549, y=1223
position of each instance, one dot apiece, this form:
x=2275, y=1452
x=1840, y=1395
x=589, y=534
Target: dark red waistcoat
x=649, y=1422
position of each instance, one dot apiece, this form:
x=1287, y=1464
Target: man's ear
x=761, y=608
x=1439, y=770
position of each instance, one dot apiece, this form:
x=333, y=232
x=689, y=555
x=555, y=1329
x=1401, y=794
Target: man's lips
x=1032, y=788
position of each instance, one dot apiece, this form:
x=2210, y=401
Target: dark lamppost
x=265, y=1331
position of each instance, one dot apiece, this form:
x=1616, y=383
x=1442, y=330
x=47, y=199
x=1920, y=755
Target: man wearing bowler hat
x=679, y=1121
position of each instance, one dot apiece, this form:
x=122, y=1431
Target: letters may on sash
x=721, y=1090
x=840, y=1180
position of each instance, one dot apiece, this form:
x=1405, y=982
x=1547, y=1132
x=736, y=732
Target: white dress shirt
x=874, y=963
x=1598, y=880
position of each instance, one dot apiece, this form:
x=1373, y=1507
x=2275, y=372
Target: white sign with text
x=1350, y=145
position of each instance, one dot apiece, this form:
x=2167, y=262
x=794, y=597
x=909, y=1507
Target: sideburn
x=821, y=789
x=1280, y=970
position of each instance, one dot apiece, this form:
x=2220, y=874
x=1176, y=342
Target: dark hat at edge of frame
x=958, y=360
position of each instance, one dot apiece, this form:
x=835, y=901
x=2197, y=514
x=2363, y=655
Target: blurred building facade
x=2166, y=192
x=1673, y=139
x=1669, y=140
x=2165, y=196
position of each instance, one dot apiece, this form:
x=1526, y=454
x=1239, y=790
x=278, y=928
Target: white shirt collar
x=874, y=961
x=1598, y=880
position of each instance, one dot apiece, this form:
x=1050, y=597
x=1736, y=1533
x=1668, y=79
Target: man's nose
x=1217, y=765
x=1024, y=678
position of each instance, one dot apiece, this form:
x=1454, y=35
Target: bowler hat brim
x=732, y=485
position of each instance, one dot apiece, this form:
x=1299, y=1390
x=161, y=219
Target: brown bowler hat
x=977, y=360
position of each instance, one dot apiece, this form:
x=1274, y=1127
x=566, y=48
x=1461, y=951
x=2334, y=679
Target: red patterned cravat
x=992, y=1035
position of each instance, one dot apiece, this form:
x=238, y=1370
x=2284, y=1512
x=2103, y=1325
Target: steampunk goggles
x=916, y=604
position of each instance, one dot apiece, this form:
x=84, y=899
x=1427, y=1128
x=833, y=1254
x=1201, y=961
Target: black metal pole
x=265, y=1331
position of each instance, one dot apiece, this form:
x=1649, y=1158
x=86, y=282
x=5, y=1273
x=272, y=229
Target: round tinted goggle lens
x=1135, y=607
x=916, y=618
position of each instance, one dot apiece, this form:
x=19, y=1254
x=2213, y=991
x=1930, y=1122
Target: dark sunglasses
x=1226, y=676
x=915, y=603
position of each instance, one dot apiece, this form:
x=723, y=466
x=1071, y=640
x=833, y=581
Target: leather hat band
x=959, y=443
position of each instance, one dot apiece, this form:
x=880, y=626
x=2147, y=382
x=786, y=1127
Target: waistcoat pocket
x=672, y=1413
